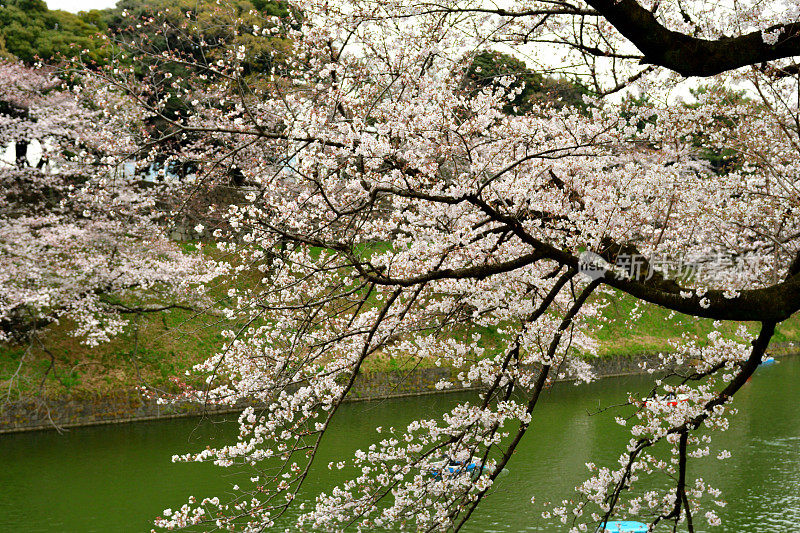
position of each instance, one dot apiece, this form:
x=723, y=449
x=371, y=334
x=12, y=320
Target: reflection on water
x=117, y=478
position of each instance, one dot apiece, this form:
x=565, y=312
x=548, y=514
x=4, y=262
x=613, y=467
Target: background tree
x=201, y=34
x=31, y=32
x=81, y=241
x=534, y=89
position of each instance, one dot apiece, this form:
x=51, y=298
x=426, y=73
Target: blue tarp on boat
x=625, y=526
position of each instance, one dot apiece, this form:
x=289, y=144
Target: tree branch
x=692, y=56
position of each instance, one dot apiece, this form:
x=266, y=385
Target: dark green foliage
x=537, y=89
x=723, y=159
x=31, y=32
x=181, y=22
x=197, y=33
x=632, y=105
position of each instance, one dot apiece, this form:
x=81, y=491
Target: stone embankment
x=131, y=406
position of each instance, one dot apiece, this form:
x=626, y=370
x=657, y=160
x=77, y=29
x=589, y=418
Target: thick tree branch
x=692, y=56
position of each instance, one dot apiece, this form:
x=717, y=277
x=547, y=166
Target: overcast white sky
x=80, y=5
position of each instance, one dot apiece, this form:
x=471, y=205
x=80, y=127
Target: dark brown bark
x=692, y=56
x=772, y=304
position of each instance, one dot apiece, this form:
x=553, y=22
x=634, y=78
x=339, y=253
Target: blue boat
x=768, y=361
x=454, y=468
x=624, y=526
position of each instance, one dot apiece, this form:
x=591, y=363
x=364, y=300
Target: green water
x=117, y=478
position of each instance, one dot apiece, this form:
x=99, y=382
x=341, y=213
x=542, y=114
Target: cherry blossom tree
x=394, y=208
x=80, y=240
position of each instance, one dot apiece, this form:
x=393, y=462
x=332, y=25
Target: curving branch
x=692, y=56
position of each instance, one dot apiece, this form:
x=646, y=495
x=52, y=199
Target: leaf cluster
x=536, y=88
x=31, y=32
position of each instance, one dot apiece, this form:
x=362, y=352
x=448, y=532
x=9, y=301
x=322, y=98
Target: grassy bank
x=159, y=346
x=656, y=327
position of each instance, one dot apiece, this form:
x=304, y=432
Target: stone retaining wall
x=130, y=406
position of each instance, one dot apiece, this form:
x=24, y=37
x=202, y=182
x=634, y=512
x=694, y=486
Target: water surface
x=117, y=478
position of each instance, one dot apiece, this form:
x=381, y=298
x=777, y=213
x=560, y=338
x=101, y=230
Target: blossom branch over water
x=398, y=206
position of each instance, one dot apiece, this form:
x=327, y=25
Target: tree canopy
x=534, y=89
x=30, y=31
x=410, y=187
x=80, y=238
